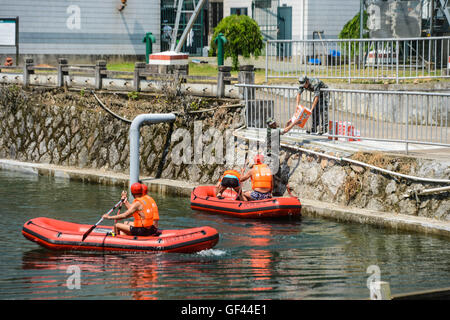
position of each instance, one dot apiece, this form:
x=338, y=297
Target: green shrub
x=244, y=38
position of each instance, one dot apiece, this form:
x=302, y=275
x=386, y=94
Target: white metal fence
x=352, y=115
x=372, y=59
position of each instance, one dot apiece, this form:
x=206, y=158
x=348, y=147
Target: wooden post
x=100, y=67
x=138, y=68
x=27, y=70
x=224, y=71
x=246, y=75
x=62, y=71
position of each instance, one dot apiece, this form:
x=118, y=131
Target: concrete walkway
x=309, y=207
x=301, y=139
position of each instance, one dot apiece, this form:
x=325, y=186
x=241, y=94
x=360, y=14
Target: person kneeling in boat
x=230, y=179
x=142, y=209
x=261, y=177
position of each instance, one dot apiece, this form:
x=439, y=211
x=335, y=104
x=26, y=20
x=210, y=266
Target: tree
x=243, y=36
x=351, y=30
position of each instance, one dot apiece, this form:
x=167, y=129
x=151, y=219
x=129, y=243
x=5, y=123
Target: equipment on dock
x=61, y=235
x=203, y=198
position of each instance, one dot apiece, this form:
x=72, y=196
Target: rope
x=363, y=164
x=174, y=112
x=109, y=111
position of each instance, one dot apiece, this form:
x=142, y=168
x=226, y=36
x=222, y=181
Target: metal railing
x=370, y=59
x=354, y=115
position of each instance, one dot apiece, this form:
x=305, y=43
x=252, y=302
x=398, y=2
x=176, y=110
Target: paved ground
x=302, y=139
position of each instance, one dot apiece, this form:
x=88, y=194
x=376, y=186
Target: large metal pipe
x=136, y=124
x=188, y=28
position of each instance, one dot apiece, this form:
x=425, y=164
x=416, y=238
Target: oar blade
x=93, y=227
x=88, y=232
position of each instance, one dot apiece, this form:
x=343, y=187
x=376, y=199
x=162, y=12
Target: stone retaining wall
x=80, y=134
x=318, y=178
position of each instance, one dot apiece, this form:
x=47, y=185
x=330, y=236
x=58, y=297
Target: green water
x=302, y=259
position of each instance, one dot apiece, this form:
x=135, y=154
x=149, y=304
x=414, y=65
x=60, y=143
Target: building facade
x=116, y=28
x=83, y=27
x=296, y=19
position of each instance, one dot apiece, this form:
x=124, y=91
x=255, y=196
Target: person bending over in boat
x=230, y=179
x=142, y=209
x=261, y=177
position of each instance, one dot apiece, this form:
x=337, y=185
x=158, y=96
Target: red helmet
x=258, y=159
x=136, y=188
x=144, y=188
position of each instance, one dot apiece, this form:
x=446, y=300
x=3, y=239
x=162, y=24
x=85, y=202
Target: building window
x=239, y=11
x=216, y=13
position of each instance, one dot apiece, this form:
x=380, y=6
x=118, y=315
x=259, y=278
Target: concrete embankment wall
x=70, y=129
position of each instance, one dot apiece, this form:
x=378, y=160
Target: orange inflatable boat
x=203, y=198
x=61, y=235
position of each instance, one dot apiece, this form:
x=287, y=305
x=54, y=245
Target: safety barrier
x=351, y=59
x=144, y=77
x=354, y=115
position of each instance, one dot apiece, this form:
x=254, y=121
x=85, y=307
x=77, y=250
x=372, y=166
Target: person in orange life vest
x=261, y=177
x=141, y=209
x=230, y=179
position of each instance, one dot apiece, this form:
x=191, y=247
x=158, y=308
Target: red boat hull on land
x=203, y=198
x=62, y=235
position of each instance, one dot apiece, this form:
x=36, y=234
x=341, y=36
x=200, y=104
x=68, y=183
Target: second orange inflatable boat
x=203, y=198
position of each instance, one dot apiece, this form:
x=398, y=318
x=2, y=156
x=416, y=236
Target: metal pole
x=17, y=41
x=361, y=19
x=267, y=59
x=177, y=23
x=135, y=135
x=189, y=25
x=397, y=59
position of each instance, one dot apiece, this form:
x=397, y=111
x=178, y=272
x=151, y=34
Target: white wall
x=310, y=15
x=227, y=4
x=329, y=16
x=297, y=17
x=83, y=26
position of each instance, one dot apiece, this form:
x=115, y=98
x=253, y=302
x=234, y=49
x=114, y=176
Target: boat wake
x=211, y=253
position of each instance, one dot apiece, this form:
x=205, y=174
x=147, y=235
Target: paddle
x=115, y=221
x=93, y=227
x=240, y=195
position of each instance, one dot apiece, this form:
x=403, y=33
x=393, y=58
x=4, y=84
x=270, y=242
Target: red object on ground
x=62, y=235
x=203, y=198
x=343, y=128
x=8, y=62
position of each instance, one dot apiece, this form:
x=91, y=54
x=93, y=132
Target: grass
x=121, y=66
x=210, y=70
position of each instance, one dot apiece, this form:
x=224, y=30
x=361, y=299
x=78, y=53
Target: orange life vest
x=154, y=206
x=144, y=217
x=233, y=173
x=261, y=176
